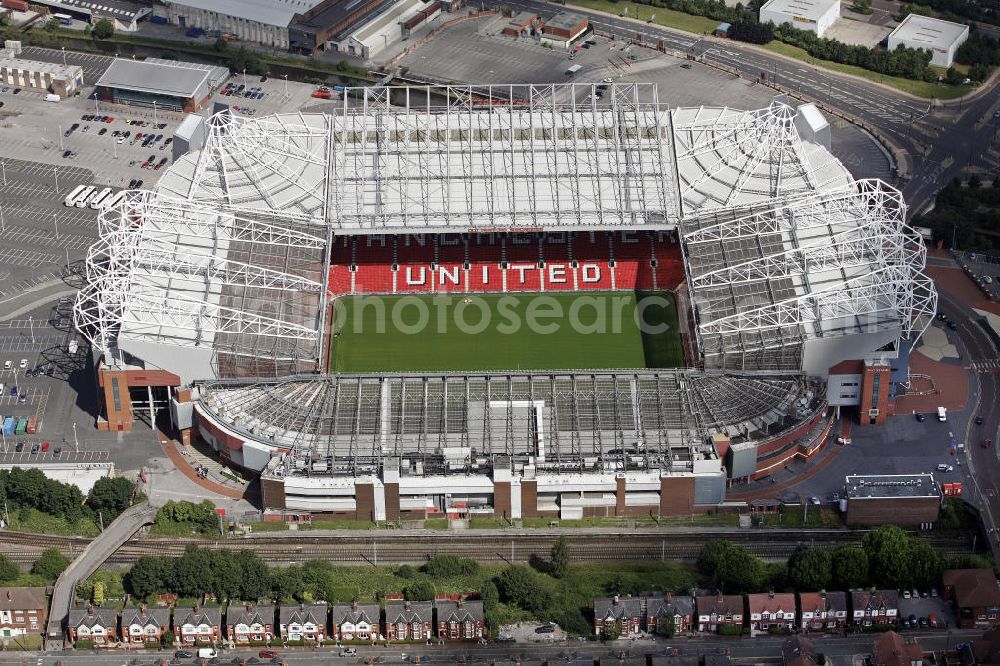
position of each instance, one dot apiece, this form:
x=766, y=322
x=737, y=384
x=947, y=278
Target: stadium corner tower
x=211, y=300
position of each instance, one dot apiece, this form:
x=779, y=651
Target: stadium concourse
x=770, y=263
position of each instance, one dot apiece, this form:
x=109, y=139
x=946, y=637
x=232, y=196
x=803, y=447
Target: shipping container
x=22, y=425
x=16, y=5
x=194, y=32
x=158, y=20
x=32, y=425
x=8, y=426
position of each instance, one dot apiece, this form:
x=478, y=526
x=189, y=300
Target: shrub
x=449, y=566
x=84, y=644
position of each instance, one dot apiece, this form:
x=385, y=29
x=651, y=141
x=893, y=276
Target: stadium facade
x=210, y=296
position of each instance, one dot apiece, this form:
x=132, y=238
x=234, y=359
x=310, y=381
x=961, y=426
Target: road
x=942, y=138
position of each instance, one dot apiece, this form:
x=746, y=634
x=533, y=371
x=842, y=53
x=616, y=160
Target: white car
x=945, y=468
x=606, y=80
x=7, y=365
x=23, y=364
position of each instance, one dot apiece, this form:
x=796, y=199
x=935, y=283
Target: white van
x=942, y=414
x=52, y=98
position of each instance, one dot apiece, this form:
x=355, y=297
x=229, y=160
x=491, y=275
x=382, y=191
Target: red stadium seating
x=486, y=263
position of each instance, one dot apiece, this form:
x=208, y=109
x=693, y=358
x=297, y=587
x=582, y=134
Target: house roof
x=155, y=615
x=409, y=612
x=89, y=617
x=250, y=615
x=616, y=607
x=891, y=650
x=354, y=613
x=823, y=601
x=986, y=650
x=771, y=603
x=974, y=588
x=460, y=611
x=729, y=604
x=303, y=613
x=674, y=605
x=873, y=600
x=798, y=651
x=22, y=598
x=196, y=615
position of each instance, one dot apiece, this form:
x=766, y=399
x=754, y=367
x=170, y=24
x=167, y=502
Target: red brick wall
x=676, y=495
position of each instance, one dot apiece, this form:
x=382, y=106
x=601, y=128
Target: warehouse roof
x=867, y=486
x=810, y=9
x=163, y=77
x=565, y=21
x=57, y=70
x=930, y=33
x=270, y=12
x=123, y=10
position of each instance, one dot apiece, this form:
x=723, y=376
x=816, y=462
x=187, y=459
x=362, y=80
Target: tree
x=731, y=567
x=111, y=496
x=924, y=564
x=97, y=596
x=167, y=639
x=953, y=77
x=193, y=573
x=888, y=550
x=104, y=29
x=490, y=595
x=449, y=566
x=559, y=558
x=149, y=575
x=420, y=590
x=221, y=45
x=810, y=569
x=50, y=564
x=406, y=572
x=521, y=586
x=666, y=626
x=255, y=577
x=611, y=632
x=8, y=569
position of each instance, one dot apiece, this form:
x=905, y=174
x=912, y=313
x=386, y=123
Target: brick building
x=303, y=622
x=680, y=607
x=897, y=499
x=976, y=596
x=249, y=623
x=355, y=622
x=891, y=649
x=626, y=613
x=460, y=619
x=870, y=607
x=564, y=28
x=198, y=624
x=718, y=610
x=822, y=611
x=99, y=625
x=140, y=625
x=409, y=620
x=22, y=611
x=771, y=611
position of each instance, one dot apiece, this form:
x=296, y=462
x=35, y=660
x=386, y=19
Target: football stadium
x=513, y=301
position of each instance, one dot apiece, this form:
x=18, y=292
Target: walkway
x=184, y=465
x=93, y=556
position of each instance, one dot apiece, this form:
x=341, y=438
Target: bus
x=64, y=19
x=85, y=196
x=71, y=197
x=114, y=200
x=22, y=425
x=9, y=424
x=101, y=197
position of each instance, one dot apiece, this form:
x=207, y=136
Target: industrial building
x=896, y=499
x=215, y=307
x=312, y=31
x=170, y=85
x=62, y=80
x=379, y=30
x=261, y=21
x=563, y=29
x=813, y=15
x=942, y=38
x=125, y=14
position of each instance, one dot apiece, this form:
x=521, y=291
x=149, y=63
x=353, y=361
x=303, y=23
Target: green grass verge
x=338, y=525
x=32, y=520
x=665, y=17
x=436, y=524
x=269, y=526
x=918, y=88
x=504, y=332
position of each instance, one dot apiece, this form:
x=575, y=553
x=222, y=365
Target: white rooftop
x=810, y=9
x=270, y=12
x=929, y=33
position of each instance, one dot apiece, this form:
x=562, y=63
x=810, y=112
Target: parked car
x=906, y=594
x=34, y=449
x=920, y=417
x=19, y=447
x=45, y=447
x=104, y=130
x=943, y=468
x=979, y=420
x=267, y=654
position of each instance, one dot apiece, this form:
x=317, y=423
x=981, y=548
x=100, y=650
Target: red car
x=108, y=119
x=987, y=443
x=322, y=94
x=267, y=654
x=45, y=447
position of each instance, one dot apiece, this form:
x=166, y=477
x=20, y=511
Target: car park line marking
x=28, y=258
x=20, y=343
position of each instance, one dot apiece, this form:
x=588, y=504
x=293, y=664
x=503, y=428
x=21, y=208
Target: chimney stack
x=614, y=601
x=354, y=605
x=669, y=597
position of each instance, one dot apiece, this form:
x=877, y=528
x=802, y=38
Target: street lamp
x=286, y=85
x=55, y=222
x=55, y=172
x=2, y=228
x=76, y=442
x=31, y=327
x=64, y=55
x=61, y=147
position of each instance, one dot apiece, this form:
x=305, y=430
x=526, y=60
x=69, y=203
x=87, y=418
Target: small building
x=812, y=15
x=890, y=649
x=303, y=622
x=564, y=28
x=260, y=21
x=983, y=651
x=520, y=23
x=170, y=85
x=611, y=611
x=250, y=624
x=680, y=607
x=769, y=611
x=201, y=625
x=722, y=30
x=822, y=611
x=976, y=596
x=99, y=625
x=59, y=79
x=355, y=622
x=718, y=610
x=22, y=611
x=898, y=499
x=124, y=14
x=311, y=31
x=461, y=619
x=870, y=607
x=409, y=620
x=374, y=35
x=798, y=651
x=942, y=38
x=140, y=625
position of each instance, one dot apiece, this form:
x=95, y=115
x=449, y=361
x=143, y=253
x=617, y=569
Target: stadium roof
x=163, y=77
x=270, y=12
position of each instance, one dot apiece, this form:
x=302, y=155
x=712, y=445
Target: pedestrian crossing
x=990, y=365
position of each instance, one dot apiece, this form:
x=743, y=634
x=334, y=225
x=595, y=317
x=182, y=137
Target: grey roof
x=865, y=486
x=416, y=611
x=174, y=78
x=250, y=615
x=354, y=613
x=677, y=605
x=874, y=600
x=565, y=20
x=196, y=615
x=120, y=9
x=454, y=611
x=270, y=12
x=83, y=617
x=619, y=608
x=799, y=650
x=22, y=598
x=926, y=32
x=156, y=615
x=823, y=601
x=302, y=613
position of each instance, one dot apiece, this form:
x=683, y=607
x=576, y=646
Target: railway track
x=492, y=548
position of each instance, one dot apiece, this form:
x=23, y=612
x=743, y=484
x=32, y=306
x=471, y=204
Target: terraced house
x=355, y=622
x=250, y=624
x=198, y=624
x=873, y=606
x=99, y=625
x=823, y=611
x=718, y=611
x=680, y=608
x=144, y=625
x=409, y=620
x=625, y=613
x=22, y=611
x=460, y=619
x=771, y=611
x=303, y=622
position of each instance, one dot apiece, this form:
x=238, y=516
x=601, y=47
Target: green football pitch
x=497, y=332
